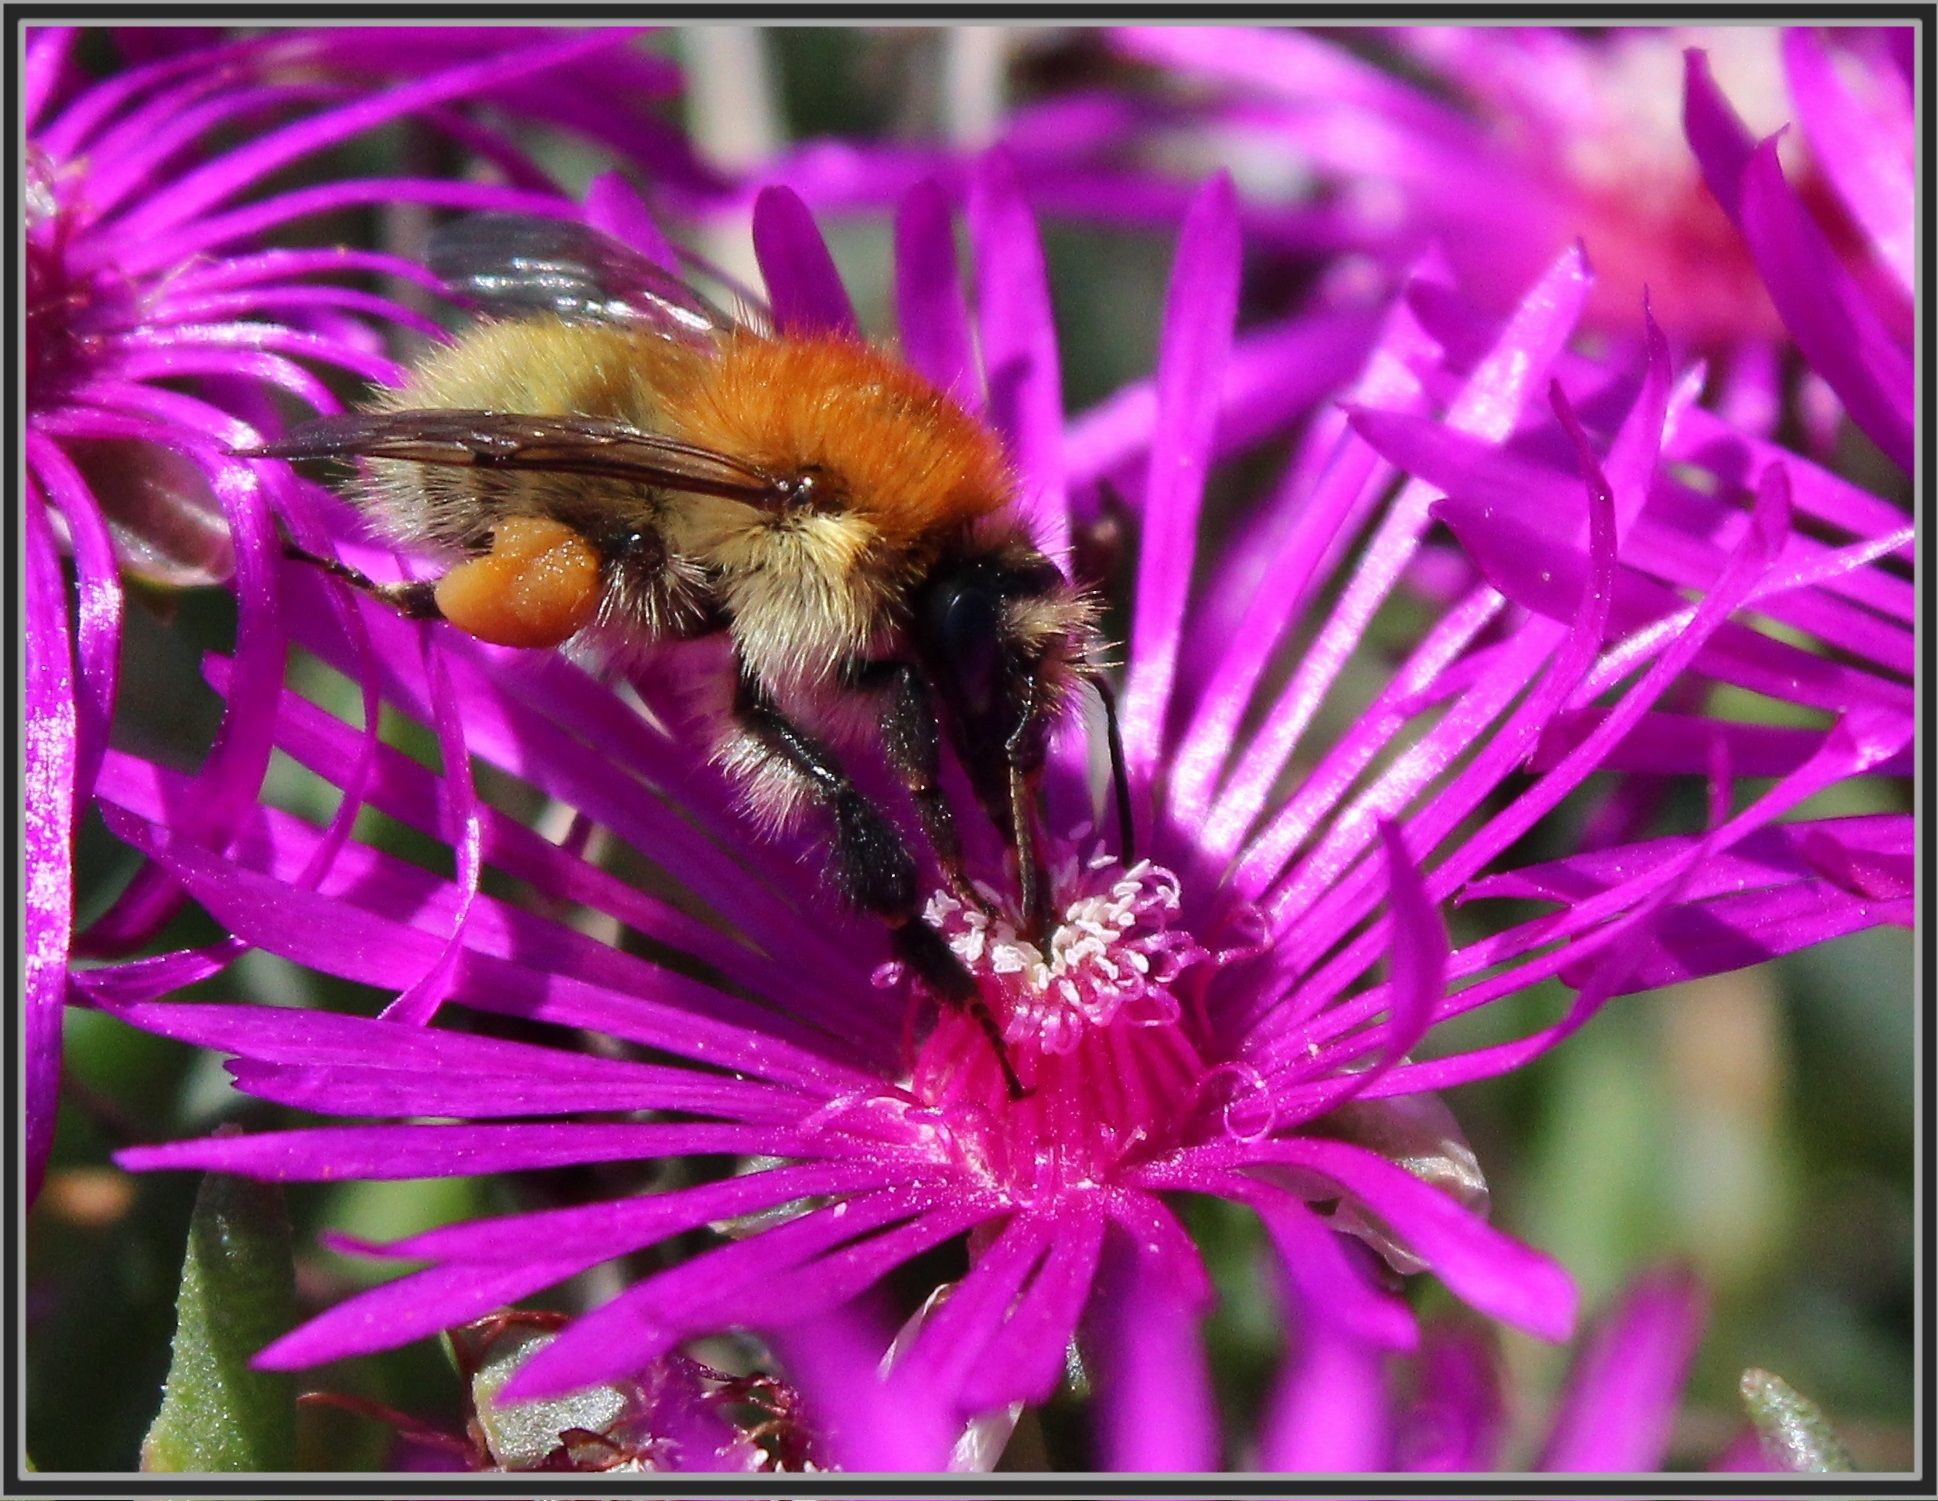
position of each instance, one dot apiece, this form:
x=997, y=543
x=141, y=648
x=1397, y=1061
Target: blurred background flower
x=1690, y=501
x=164, y=321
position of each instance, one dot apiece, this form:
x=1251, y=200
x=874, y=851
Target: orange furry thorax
x=891, y=447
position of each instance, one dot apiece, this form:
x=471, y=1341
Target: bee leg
x=872, y=866
x=1023, y=750
x=1119, y=777
x=912, y=738
x=413, y=599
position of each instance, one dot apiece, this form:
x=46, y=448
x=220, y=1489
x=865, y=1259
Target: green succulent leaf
x=1795, y=1434
x=238, y=1293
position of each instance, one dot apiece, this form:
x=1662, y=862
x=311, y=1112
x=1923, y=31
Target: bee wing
x=514, y=266
x=505, y=440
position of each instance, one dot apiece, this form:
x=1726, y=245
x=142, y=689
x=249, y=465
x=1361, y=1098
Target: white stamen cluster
x=1111, y=953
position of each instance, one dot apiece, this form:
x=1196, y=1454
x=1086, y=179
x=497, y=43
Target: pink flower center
x=1634, y=191
x=1095, y=1025
x=65, y=312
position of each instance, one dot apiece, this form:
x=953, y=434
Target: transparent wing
x=513, y=266
x=505, y=440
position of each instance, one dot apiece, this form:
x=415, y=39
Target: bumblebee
x=607, y=458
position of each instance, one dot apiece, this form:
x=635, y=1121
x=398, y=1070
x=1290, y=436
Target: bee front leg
x=416, y=600
x=912, y=738
x=873, y=869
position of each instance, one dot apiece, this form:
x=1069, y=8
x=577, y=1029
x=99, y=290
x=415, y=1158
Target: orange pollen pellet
x=537, y=586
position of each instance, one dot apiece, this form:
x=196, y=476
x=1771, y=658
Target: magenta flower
x=1233, y=1009
x=1517, y=143
x=1343, y=1406
x=161, y=329
x=1555, y=136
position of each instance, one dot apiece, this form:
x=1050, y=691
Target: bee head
x=1002, y=636
x=984, y=653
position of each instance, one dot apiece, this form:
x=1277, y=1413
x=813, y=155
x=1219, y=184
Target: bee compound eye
x=962, y=624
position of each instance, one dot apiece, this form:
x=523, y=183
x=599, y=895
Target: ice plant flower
x=160, y=330
x=1519, y=141
x=1232, y=1008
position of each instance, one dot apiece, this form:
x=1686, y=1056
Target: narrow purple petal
x=287, y=266
x=352, y=1065
x=409, y=1308
x=805, y=1266
x=1621, y=1398
x=1193, y=348
x=1153, y=1390
x=147, y=255
x=558, y=976
x=47, y=828
x=593, y=1232
x=1026, y=1357
x=97, y=579
x=1329, y=1413
x=1456, y=1420
x=1019, y=346
x=929, y=308
x=1825, y=310
x=834, y=1360
x=1418, y=946
x=1771, y=856
x=1495, y=1274
x=1865, y=145
x=327, y=1153
x=360, y=1090
x=1323, y=1269
x=136, y=153
x=1612, y=959
x=954, y=1335
x=803, y=286
x=112, y=986
x=1717, y=137
x=613, y=207
x=222, y=178
x=1487, y=406
x=146, y=352
x=1284, y=561
x=1735, y=932
x=461, y=828
x=70, y=132
x=48, y=51
x=206, y=307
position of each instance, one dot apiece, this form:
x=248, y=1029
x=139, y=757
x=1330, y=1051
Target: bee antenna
x=1119, y=776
